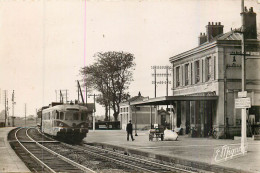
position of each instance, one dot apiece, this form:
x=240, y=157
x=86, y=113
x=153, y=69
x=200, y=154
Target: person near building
x=129, y=129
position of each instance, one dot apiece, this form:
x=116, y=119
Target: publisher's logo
x=226, y=152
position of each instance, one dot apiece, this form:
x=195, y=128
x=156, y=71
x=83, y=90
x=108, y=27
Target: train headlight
x=60, y=124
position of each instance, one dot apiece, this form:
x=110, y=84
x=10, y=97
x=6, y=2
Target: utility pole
x=243, y=111
x=94, y=111
x=109, y=100
x=25, y=114
x=80, y=92
x=56, y=94
x=7, y=112
x=86, y=94
x=13, y=103
x=62, y=95
x=5, y=107
x=155, y=82
x=135, y=122
x=167, y=83
x=243, y=78
x=94, y=116
x=66, y=96
x=36, y=117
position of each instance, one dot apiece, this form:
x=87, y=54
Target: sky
x=44, y=43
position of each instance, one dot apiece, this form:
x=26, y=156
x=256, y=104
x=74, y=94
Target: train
x=66, y=122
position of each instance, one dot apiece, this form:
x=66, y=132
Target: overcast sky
x=42, y=42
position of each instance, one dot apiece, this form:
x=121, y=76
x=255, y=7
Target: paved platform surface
x=9, y=161
x=191, y=149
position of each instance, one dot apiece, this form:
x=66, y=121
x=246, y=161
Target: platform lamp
x=243, y=55
x=135, y=121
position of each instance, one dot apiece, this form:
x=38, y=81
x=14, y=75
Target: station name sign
x=242, y=103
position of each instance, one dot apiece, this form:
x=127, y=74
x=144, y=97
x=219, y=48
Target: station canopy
x=168, y=100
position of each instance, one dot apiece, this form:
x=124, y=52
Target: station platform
x=9, y=161
x=195, y=152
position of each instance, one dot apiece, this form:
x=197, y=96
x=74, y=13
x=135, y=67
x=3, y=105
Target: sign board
x=241, y=103
x=253, y=53
x=242, y=94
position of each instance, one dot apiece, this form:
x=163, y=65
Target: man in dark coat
x=129, y=129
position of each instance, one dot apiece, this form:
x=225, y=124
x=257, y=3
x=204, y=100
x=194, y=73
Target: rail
x=81, y=167
x=34, y=157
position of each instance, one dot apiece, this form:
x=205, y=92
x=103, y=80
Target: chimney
x=202, y=38
x=214, y=30
x=250, y=23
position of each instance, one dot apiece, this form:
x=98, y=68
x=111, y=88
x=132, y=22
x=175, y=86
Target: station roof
x=167, y=100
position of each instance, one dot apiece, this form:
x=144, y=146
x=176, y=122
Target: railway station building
x=207, y=79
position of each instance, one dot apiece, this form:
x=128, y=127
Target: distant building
x=210, y=70
x=143, y=117
x=139, y=115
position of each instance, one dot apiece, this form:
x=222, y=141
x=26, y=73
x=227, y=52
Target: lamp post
x=135, y=122
x=94, y=111
x=243, y=78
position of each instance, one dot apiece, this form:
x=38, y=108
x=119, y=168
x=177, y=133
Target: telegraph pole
x=155, y=82
x=66, y=96
x=7, y=112
x=243, y=111
x=5, y=107
x=25, y=114
x=36, y=117
x=167, y=81
x=56, y=94
x=94, y=111
x=243, y=78
x=94, y=116
x=13, y=102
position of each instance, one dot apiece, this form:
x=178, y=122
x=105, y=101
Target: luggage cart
x=156, y=133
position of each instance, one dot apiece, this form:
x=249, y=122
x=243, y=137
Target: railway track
x=42, y=159
x=135, y=164
x=55, y=156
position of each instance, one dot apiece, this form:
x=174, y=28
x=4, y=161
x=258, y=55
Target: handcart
x=156, y=133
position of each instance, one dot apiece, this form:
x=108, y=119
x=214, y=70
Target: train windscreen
x=75, y=115
x=84, y=116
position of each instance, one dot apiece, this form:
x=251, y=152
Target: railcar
x=67, y=122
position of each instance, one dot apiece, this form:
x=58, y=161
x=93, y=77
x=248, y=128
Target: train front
x=72, y=123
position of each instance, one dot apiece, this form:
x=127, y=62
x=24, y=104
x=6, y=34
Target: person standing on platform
x=129, y=129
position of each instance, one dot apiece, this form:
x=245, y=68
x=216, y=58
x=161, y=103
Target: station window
x=48, y=116
x=186, y=74
x=208, y=68
x=52, y=116
x=177, y=76
x=57, y=115
x=197, y=71
x=191, y=74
